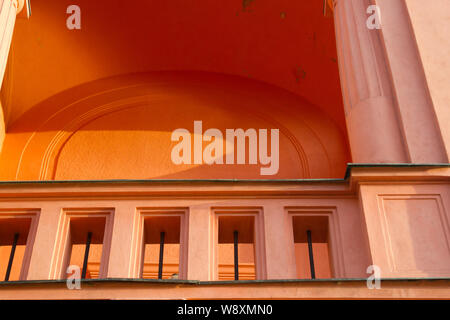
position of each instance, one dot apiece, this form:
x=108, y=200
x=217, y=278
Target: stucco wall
x=431, y=24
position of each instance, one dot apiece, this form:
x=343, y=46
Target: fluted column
x=371, y=114
x=9, y=9
x=8, y=12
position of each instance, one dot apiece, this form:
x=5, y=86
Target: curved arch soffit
x=105, y=102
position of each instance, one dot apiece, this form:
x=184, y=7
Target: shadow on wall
x=121, y=128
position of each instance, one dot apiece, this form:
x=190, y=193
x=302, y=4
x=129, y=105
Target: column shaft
x=8, y=11
x=371, y=114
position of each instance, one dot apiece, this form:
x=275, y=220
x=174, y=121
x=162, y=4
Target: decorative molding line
x=50, y=155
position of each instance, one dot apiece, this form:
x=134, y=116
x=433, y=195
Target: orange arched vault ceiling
x=120, y=128
x=289, y=44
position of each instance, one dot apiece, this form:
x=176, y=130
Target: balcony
x=195, y=236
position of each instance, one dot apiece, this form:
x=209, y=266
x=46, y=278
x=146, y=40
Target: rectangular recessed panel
x=416, y=233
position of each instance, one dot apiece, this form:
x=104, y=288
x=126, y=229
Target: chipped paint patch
x=299, y=74
x=246, y=4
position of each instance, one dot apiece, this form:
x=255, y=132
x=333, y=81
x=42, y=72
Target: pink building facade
x=375, y=196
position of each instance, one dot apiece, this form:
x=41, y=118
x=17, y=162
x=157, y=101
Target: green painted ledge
x=231, y=181
x=197, y=282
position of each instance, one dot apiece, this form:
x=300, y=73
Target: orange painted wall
x=120, y=128
x=108, y=113
x=289, y=44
